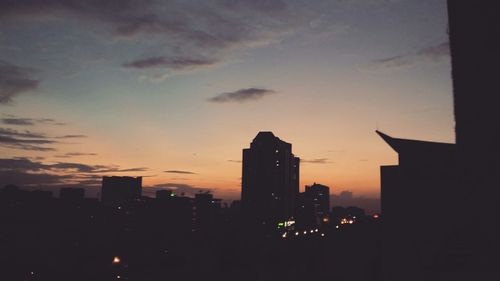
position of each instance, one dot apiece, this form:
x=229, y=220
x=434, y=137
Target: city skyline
x=91, y=97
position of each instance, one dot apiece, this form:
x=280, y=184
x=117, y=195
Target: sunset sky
x=174, y=90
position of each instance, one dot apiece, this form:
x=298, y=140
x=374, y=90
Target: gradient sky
x=174, y=90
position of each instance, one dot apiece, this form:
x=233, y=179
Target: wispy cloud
x=316, y=161
x=22, y=134
x=15, y=80
x=74, y=154
x=433, y=54
x=180, y=172
x=242, y=95
x=71, y=137
x=180, y=63
x=26, y=144
x=234, y=161
x=17, y=121
x=179, y=188
x=26, y=171
x=194, y=33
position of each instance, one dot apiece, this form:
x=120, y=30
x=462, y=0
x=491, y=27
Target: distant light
x=316, y=230
x=284, y=235
x=277, y=151
x=119, y=207
x=336, y=226
x=351, y=221
x=118, y=277
x=376, y=216
x=305, y=232
x=325, y=219
x=116, y=260
x=172, y=194
x=354, y=217
x=296, y=233
x=322, y=235
x=312, y=231
x=32, y=273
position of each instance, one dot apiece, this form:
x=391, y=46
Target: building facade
x=270, y=180
x=117, y=190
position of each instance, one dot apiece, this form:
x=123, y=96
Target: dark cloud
x=25, y=144
x=170, y=63
x=433, y=54
x=180, y=172
x=71, y=137
x=243, y=95
x=31, y=179
x=18, y=121
x=74, y=154
x=84, y=168
x=22, y=134
x=179, y=188
x=191, y=29
x=29, y=172
x=316, y=161
x=26, y=164
x=15, y=80
x=29, y=121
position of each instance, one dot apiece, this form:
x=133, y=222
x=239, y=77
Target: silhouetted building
x=314, y=206
x=270, y=181
x=442, y=179
x=474, y=30
x=120, y=189
x=415, y=200
x=206, y=212
x=175, y=213
x=71, y=194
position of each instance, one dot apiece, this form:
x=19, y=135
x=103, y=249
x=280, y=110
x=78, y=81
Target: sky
x=174, y=90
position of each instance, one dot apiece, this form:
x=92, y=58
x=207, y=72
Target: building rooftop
x=415, y=146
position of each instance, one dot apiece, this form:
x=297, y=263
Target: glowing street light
x=116, y=260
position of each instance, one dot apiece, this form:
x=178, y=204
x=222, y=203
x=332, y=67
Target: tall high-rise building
x=120, y=189
x=270, y=180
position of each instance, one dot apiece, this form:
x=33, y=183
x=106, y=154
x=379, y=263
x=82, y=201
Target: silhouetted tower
x=120, y=189
x=318, y=196
x=474, y=29
x=270, y=181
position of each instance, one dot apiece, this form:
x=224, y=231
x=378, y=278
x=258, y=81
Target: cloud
x=25, y=144
x=316, y=161
x=28, y=140
x=179, y=188
x=15, y=80
x=22, y=134
x=180, y=63
x=180, y=172
x=17, y=121
x=187, y=34
x=74, y=154
x=84, y=168
x=29, y=172
x=71, y=136
x=432, y=54
x=242, y=95
x=347, y=199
